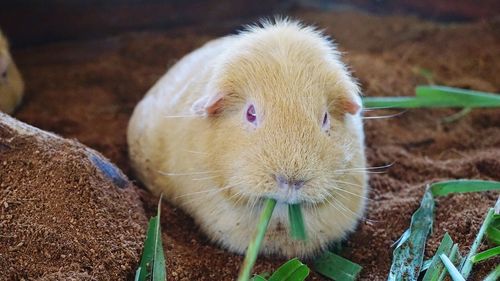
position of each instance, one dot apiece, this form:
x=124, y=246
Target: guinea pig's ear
x=209, y=104
x=351, y=105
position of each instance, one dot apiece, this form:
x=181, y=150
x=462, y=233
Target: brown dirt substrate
x=87, y=90
x=65, y=212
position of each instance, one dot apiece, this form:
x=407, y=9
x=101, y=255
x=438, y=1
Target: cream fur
x=218, y=167
x=11, y=88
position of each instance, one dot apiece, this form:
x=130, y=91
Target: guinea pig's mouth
x=293, y=196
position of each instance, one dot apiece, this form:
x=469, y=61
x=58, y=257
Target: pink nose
x=4, y=64
x=284, y=182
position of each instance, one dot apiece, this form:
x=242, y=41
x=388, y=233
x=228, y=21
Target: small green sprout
x=152, y=266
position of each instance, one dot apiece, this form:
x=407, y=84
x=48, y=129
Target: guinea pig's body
x=270, y=112
x=11, y=83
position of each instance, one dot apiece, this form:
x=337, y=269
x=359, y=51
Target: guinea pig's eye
x=251, y=114
x=326, y=122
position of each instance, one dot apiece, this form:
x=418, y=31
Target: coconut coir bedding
x=87, y=90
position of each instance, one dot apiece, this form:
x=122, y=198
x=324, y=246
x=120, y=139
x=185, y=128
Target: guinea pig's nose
x=285, y=182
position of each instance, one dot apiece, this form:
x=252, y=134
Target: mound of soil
x=66, y=213
x=88, y=89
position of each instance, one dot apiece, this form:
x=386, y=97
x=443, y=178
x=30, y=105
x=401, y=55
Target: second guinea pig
x=11, y=83
x=270, y=112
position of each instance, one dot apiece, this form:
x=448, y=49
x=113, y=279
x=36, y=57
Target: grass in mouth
x=297, y=228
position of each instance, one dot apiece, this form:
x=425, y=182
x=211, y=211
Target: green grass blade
x=442, y=96
x=137, y=274
x=493, y=252
x=390, y=102
x=297, y=228
x=152, y=265
x=494, y=275
x=436, y=267
x=292, y=270
x=425, y=265
x=493, y=230
x=409, y=252
x=454, y=273
x=455, y=258
x=254, y=246
x=460, y=186
x=467, y=266
x=436, y=97
x=336, y=267
x=258, y=278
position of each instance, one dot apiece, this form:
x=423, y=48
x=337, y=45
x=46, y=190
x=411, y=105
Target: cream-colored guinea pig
x=11, y=83
x=270, y=112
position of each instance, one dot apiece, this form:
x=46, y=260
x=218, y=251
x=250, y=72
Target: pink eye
x=251, y=115
x=326, y=122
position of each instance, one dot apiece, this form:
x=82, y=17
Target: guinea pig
x=270, y=112
x=11, y=83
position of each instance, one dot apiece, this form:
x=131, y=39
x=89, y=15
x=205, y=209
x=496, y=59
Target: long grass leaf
x=443, y=96
x=152, y=265
x=460, y=186
x=436, y=267
x=409, y=252
x=454, y=273
x=493, y=252
x=258, y=278
x=336, y=267
x=436, y=97
x=292, y=270
x=467, y=266
x=297, y=228
x=254, y=246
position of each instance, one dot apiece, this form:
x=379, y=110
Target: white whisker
x=359, y=216
x=378, y=108
x=186, y=174
x=351, y=193
x=181, y=116
x=205, y=178
x=205, y=191
x=384, y=116
x=367, y=168
x=195, y=152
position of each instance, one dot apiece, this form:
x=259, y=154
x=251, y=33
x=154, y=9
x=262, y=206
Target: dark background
x=29, y=22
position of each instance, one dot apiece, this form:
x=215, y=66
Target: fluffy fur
x=189, y=137
x=11, y=83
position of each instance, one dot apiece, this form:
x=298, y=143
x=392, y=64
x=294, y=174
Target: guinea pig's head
x=285, y=116
x=11, y=84
x=4, y=58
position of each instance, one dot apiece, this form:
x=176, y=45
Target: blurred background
x=31, y=22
